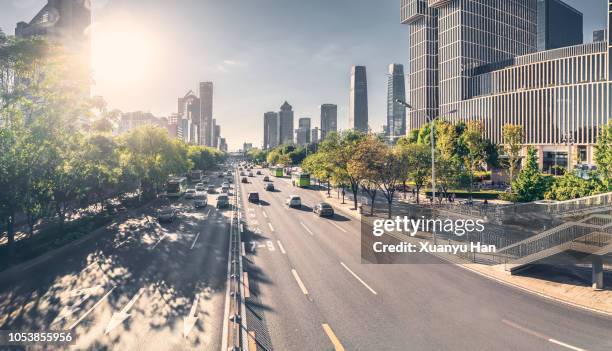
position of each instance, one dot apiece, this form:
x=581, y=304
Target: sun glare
x=123, y=53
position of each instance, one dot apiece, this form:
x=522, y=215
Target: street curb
x=507, y=283
x=24, y=266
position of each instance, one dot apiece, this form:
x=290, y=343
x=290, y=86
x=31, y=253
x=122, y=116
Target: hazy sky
x=258, y=53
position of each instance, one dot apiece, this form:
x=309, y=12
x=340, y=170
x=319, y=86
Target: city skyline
x=335, y=52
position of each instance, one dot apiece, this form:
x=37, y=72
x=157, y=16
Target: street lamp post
x=568, y=140
x=433, y=149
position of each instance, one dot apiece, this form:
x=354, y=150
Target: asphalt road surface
x=309, y=291
x=138, y=286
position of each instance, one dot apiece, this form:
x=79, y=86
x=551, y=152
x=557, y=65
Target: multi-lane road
x=136, y=286
x=143, y=286
x=309, y=291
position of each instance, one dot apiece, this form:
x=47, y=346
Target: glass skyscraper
x=559, y=25
x=329, y=119
x=285, y=124
x=270, y=130
x=396, y=113
x=489, y=70
x=358, y=100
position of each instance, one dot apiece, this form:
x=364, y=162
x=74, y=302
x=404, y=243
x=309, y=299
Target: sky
x=258, y=53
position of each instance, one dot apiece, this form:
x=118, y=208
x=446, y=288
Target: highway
x=309, y=291
x=137, y=286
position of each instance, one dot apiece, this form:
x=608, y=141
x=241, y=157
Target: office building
x=559, y=25
x=329, y=119
x=303, y=131
x=314, y=135
x=358, y=100
x=270, y=130
x=246, y=147
x=285, y=124
x=132, y=120
x=396, y=113
x=222, y=144
x=599, y=35
x=206, y=111
x=489, y=70
x=215, y=135
x=67, y=23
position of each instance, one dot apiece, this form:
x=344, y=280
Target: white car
x=190, y=193
x=294, y=201
x=200, y=187
x=225, y=187
x=200, y=199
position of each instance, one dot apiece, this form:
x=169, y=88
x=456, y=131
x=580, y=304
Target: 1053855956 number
x=54, y=337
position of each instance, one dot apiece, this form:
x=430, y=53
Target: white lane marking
x=194, y=241
x=357, y=277
x=299, y=281
x=241, y=228
x=243, y=249
x=337, y=226
x=208, y=212
x=280, y=246
x=305, y=227
x=271, y=227
x=160, y=240
x=565, y=345
x=265, y=214
x=91, y=309
x=121, y=243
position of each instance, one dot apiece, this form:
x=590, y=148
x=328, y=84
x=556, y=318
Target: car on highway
x=294, y=201
x=167, y=214
x=242, y=173
x=211, y=189
x=222, y=201
x=323, y=209
x=250, y=174
x=200, y=200
x=269, y=187
x=258, y=172
x=244, y=180
x=190, y=193
x=221, y=175
x=229, y=180
x=200, y=187
x=225, y=187
x=253, y=197
x=205, y=180
x=266, y=179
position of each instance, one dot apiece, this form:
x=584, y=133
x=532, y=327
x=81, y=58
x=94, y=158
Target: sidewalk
x=566, y=292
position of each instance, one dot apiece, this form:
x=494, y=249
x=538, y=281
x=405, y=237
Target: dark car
x=167, y=215
x=269, y=187
x=222, y=201
x=244, y=180
x=266, y=179
x=324, y=209
x=258, y=172
x=254, y=197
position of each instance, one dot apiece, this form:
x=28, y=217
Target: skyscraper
x=329, y=119
x=216, y=133
x=358, y=100
x=599, y=35
x=396, y=113
x=559, y=25
x=270, y=130
x=303, y=131
x=285, y=124
x=314, y=136
x=206, y=110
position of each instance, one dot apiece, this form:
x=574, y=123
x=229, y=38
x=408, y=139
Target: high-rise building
x=216, y=134
x=270, y=130
x=285, y=124
x=559, y=25
x=222, y=144
x=303, y=131
x=489, y=70
x=132, y=120
x=314, y=135
x=599, y=35
x=329, y=119
x=206, y=110
x=67, y=23
x=396, y=113
x=358, y=99
x=246, y=147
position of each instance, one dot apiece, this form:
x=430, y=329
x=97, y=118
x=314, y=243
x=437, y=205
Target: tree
x=603, y=156
x=102, y=125
x=476, y=149
x=419, y=165
x=321, y=167
x=513, y=143
x=394, y=168
x=367, y=165
x=530, y=184
x=570, y=186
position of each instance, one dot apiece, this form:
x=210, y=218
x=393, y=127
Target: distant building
x=246, y=147
x=65, y=22
x=329, y=119
x=358, y=99
x=285, y=124
x=303, y=131
x=559, y=25
x=270, y=130
x=599, y=35
x=396, y=113
x=314, y=135
x=222, y=144
x=132, y=120
x=206, y=110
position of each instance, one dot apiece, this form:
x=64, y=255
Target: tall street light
x=433, y=149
